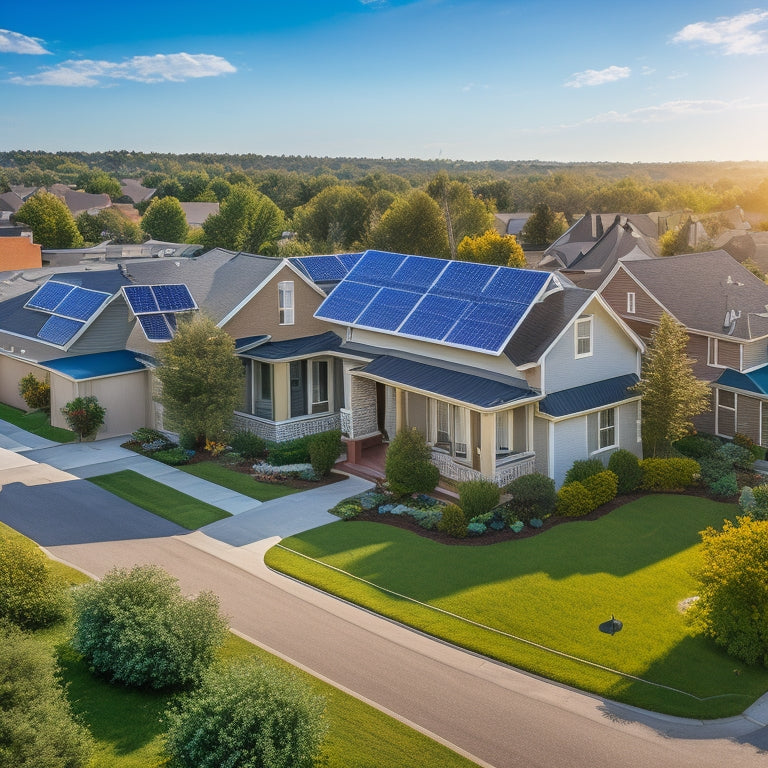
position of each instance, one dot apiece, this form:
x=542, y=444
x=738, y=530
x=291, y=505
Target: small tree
x=165, y=220
x=137, y=628
x=492, y=248
x=672, y=395
x=51, y=221
x=36, y=392
x=544, y=226
x=408, y=465
x=84, y=415
x=201, y=377
x=412, y=224
x=247, y=715
x=324, y=449
x=38, y=728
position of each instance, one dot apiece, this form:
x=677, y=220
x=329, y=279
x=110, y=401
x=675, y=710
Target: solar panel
x=434, y=317
x=155, y=327
x=463, y=278
x=324, y=268
x=498, y=314
x=349, y=259
x=171, y=320
x=140, y=298
x=479, y=335
x=377, y=268
x=59, y=330
x=417, y=273
x=173, y=298
x=48, y=296
x=515, y=285
x=81, y=303
x=388, y=309
x=347, y=300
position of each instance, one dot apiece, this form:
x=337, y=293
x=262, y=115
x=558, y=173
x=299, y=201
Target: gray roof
x=76, y=201
x=133, y=188
x=699, y=289
x=197, y=213
x=10, y=201
x=23, y=192
x=588, y=397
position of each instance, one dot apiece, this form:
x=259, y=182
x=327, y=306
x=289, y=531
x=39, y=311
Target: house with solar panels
x=505, y=371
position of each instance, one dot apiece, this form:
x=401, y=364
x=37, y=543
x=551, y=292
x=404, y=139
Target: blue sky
x=458, y=79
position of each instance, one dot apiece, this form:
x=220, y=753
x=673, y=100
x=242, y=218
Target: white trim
x=551, y=449
x=735, y=410
x=286, y=302
x=631, y=302
x=577, y=337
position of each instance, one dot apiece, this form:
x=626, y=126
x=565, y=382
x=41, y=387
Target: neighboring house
x=197, y=213
x=77, y=202
x=10, y=201
x=724, y=308
x=134, y=191
x=505, y=371
x=510, y=223
x=745, y=246
x=107, y=251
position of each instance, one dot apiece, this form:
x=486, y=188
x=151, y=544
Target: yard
x=36, y=422
x=536, y=603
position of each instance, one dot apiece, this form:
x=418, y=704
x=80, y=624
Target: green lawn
x=127, y=724
x=159, y=499
x=237, y=481
x=37, y=422
x=554, y=589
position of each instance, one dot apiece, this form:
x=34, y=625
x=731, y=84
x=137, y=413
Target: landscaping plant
x=583, y=468
x=602, y=487
x=84, y=416
x=669, y=474
x=476, y=497
x=248, y=444
x=35, y=392
x=453, y=522
x=574, y=500
x=408, y=464
x=532, y=496
x=626, y=466
x=324, y=449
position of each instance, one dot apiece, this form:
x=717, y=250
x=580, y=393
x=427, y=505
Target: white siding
x=540, y=446
x=570, y=444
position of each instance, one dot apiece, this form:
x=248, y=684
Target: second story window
x=583, y=337
x=285, y=302
x=631, y=303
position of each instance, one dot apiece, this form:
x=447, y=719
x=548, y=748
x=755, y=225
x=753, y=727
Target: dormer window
x=285, y=302
x=583, y=337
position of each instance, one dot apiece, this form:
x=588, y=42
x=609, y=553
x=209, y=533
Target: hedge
x=669, y=474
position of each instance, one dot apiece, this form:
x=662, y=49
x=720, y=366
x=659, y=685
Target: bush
x=760, y=499
x=726, y=486
x=84, y=415
x=249, y=715
x=583, y=468
x=289, y=452
x=148, y=435
x=669, y=474
x=36, y=392
x=602, y=487
x=453, y=521
x=408, y=464
x=697, y=446
x=248, y=444
x=174, y=457
x=517, y=526
x=187, y=440
x=476, y=497
x=532, y=496
x=626, y=466
x=138, y=629
x=38, y=728
x=574, y=500
x=476, y=529
x=324, y=449
x=31, y=596
x=348, y=509
x=747, y=503
x=713, y=468
x=736, y=455
x=536, y=522
x=744, y=441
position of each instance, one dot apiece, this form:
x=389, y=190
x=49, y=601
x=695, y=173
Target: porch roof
x=291, y=348
x=755, y=381
x=589, y=397
x=82, y=367
x=444, y=382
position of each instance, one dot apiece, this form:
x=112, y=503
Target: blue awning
x=291, y=348
x=249, y=342
x=82, y=367
x=588, y=397
x=755, y=381
x=465, y=387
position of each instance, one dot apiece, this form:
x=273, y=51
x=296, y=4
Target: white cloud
x=171, y=67
x=746, y=33
x=597, y=76
x=647, y=71
x=15, y=42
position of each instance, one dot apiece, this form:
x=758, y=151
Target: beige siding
x=697, y=351
x=748, y=417
x=615, y=293
x=705, y=422
x=755, y=354
x=729, y=354
x=11, y=373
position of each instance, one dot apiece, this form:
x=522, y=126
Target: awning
x=590, y=397
x=755, y=381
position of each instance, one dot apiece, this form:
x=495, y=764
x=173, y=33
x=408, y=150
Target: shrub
x=517, y=526
x=148, y=435
x=737, y=455
x=36, y=392
x=582, y=468
x=574, y=500
x=289, y=452
x=713, y=468
x=747, y=501
x=31, y=596
x=84, y=415
x=187, y=440
x=324, y=449
x=408, y=464
x=760, y=496
x=532, y=496
x=627, y=468
x=248, y=444
x=453, y=521
x=476, y=529
x=137, y=628
x=726, y=486
x=743, y=440
x=348, y=509
x=602, y=486
x=697, y=446
x=247, y=714
x=669, y=474
x=174, y=457
x=428, y=519
x=476, y=497
x=536, y=522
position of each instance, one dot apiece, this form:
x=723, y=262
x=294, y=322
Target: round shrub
x=517, y=526
x=31, y=595
x=760, y=502
x=476, y=497
x=536, y=522
x=137, y=628
x=35, y=392
x=669, y=474
x=246, y=715
x=626, y=466
x=408, y=464
x=476, y=529
x=324, y=449
x=574, y=500
x=736, y=455
x=248, y=444
x=602, y=486
x=533, y=495
x=453, y=521
x=726, y=486
x=697, y=446
x=583, y=468
x=174, y=457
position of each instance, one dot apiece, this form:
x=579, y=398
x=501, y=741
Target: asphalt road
x=497, y=715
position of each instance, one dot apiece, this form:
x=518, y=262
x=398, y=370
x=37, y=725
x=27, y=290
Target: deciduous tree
x=108, y=224
x=492, y=248
x=544, y=226
x=51, y=222
x=165, y=220
x=333, y=220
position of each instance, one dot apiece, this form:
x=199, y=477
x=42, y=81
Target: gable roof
x=77, y=201
x=134, y=189
x=197, y=213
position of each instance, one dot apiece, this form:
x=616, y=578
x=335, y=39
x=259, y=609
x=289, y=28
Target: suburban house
x=135, y=191
x=197, y=213
x=724, y=309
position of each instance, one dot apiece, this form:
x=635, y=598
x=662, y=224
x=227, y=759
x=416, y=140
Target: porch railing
x=515, y=466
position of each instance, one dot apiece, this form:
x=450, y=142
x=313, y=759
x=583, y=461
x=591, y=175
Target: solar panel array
x=475, y=306
x=327, y=269
x=69, y=306
x=155, y=305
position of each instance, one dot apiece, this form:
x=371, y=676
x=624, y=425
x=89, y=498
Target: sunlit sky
x=454, y=79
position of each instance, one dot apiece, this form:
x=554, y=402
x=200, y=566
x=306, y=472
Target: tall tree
x=492, y=248
x=100, y=183
x=51, y=221
x=544, y=226
x=672, y=395
x=108, y=224
x=333, y=220
x=165, y=220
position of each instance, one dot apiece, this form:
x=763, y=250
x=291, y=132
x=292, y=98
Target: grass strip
x=159, y=499
x=236, y=481
x=36, y=422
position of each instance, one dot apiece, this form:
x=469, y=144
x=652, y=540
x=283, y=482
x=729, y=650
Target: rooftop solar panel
x=498, y=314
x=324, y=268
x=47, y=296
x=59, y=330
x=140, y=298
x=434, y=317
x=349, y=259
x=81, y=303
x=155, y=327
x=515, y=285
x=171, y=320
x=377, y=268
x=479, y=335
x=417, y=273
x=347, y=300
x=173, y=298
x=388, y=309
x=463, y=279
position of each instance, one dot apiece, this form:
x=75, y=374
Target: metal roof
x=589, y=397
x=290, y=348
x=755, y=381
x=92, y=366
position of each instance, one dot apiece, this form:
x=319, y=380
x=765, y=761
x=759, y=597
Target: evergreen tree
x=672, y=395
x=544, y=226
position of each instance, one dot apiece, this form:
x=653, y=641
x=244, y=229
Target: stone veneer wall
x=362, y=411
x=280, y=432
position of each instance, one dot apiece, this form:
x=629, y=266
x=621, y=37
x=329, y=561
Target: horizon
x=433, y=80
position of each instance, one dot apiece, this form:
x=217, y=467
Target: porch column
x=400, y=415
x=280, y=391
x=488, y=444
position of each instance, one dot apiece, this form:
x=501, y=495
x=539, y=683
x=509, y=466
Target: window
x=258, y=389
x=725, y=425
x=443, y=427
x=502, y=433
x=319, y=386
x=285, y=302
x=449, y=428
x=606, y=429
x=583, y=330
x=460, y=432
x=631, y=303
